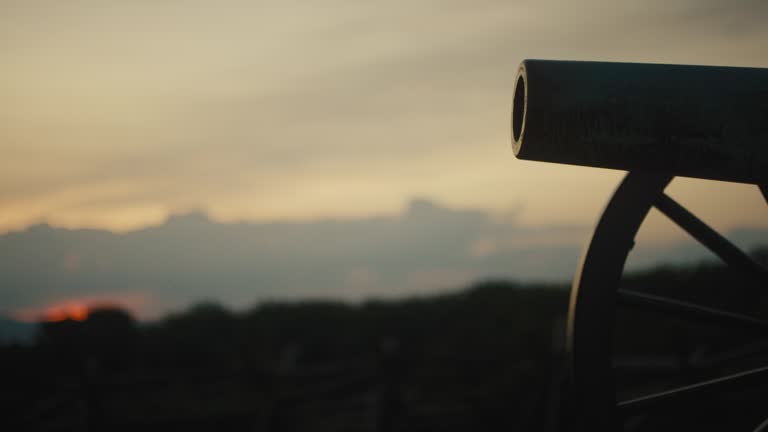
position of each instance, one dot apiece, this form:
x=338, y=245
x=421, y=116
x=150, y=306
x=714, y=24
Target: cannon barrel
x=707, y=122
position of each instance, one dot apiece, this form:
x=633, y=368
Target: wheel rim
x=595, y=291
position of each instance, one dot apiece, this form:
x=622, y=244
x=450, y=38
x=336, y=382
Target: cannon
x=655, y=121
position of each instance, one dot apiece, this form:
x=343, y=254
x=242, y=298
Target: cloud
x=189, y=257
x=426, y=247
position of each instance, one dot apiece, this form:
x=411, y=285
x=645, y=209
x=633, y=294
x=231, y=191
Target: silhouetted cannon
x=696, y=121
x=657, y=122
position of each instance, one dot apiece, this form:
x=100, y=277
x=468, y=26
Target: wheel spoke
x=762, y=427
x=710, y=238
x=648, y=363
x=693, y=392
x=738, y=353
x=655, y=366
x=691, y=310
x=702, y=360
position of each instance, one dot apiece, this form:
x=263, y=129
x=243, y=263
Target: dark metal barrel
x=708, y=122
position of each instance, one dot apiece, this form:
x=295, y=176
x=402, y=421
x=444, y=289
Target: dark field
x=485, y=358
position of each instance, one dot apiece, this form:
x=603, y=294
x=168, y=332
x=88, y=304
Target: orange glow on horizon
x=68, y=311
x=78, y=309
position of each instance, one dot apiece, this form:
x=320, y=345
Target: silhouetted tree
x=111, y=335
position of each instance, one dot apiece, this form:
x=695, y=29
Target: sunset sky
x=116, y=114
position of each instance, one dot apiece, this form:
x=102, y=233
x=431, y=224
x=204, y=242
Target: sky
x=118, y=114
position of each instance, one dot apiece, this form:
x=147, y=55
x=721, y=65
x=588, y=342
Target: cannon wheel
x=593, y=306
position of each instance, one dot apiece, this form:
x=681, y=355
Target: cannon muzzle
x=708, y=122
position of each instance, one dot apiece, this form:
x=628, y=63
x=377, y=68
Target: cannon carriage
x=656, y=122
